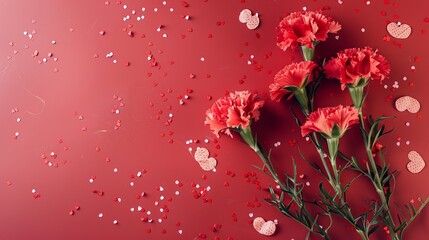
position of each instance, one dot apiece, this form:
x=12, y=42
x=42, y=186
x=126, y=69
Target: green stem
x=356, y=93
x=378, y=185
x=302, y=98
x=307, y=53
x=247, y=136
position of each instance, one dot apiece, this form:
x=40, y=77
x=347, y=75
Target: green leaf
x=372, y=230
x=336, y=131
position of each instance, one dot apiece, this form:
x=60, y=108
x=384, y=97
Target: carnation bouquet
x=354, y=68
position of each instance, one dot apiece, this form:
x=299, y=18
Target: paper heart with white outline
x=252, y=21
x=263, y=227
x=207, y=163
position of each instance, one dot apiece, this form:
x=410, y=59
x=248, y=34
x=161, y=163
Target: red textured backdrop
x=70, y=114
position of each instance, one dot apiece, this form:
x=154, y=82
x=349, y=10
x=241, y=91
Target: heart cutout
x=201, y=154
x=209, y=164
x=400, y=31
x=245, y=15
x=407, y=103
x=263, y=227
x=416, y=163
x=253, y=22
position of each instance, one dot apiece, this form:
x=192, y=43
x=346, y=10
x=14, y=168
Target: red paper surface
x=61, y=127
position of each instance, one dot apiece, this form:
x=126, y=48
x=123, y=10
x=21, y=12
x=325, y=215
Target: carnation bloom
x=292, y=77
x=235, y=111
x=331, y=122
x=355, y=66
x=305, y=29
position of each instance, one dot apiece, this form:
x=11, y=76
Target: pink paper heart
x=401, y=31
x=253, y=22
x=416, y=163
x=245, y=15
x=407, y=103
x=209, y=164
x=201, y=154
x=263, y=227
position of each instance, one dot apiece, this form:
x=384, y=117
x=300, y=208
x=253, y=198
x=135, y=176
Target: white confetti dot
x=407, y=124
x=100, y=215
x=362, y=29
x=177, y=193
x=115, y=222
x=33, y=190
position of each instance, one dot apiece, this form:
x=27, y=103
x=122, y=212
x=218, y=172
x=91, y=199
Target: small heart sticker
x=207, y=163
x=252, y=22
x=245, y=15
x=400, y=31
x=407, y=103
x=201, y=154
x=416, y=163
x=263, y=227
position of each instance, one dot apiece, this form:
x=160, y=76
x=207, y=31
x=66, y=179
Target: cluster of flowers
x=353, y=68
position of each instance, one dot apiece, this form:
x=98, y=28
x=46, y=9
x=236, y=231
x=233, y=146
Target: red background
x=65, y=107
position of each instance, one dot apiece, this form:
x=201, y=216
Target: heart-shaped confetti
x=209, y=164
x=201, y=154
x=252, y=22
x=245, y=15
x=263, y=227
x=407, y=103
x=416, y=163
x=400, y=31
